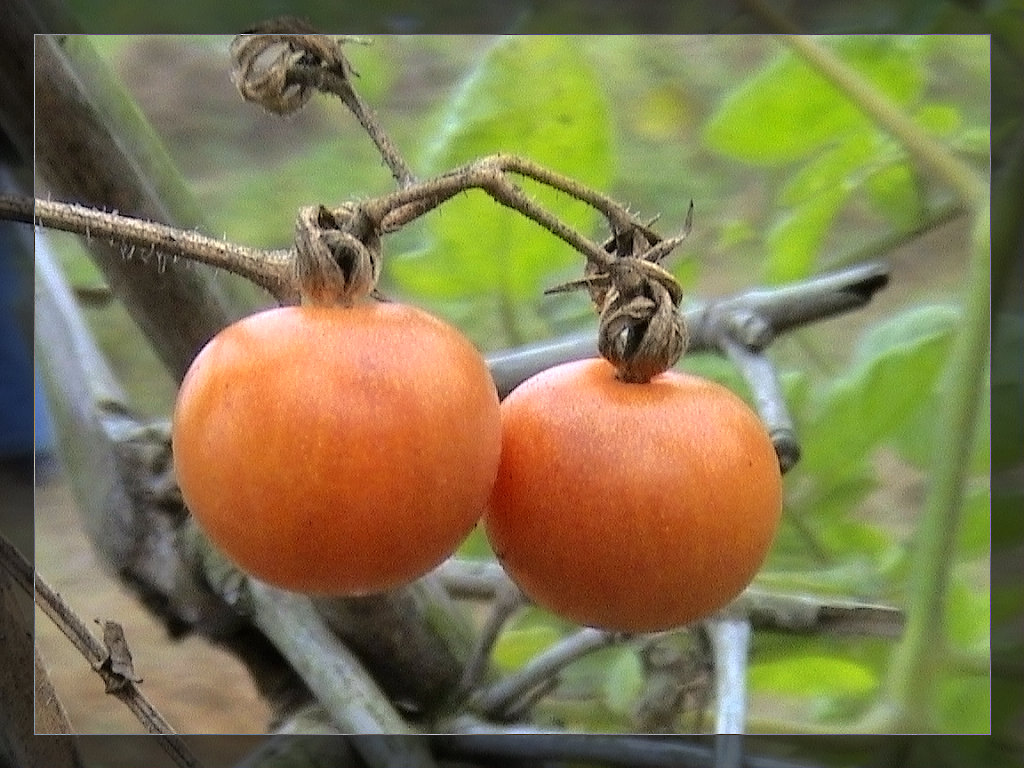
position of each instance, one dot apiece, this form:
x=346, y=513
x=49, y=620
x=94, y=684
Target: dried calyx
x=338, y=255
x=280, y=63
x=642, y=332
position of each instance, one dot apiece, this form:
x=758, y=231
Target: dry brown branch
x=97, y=654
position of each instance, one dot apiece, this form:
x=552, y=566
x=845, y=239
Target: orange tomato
x=337, y=450
x=631, y=507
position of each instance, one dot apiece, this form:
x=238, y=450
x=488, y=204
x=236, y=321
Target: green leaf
x=812, y=675
x=515, y=647
x=475, y=546
x=795, y=241
x=585, y=677
x=895, y=370
x=916, y=441
x=939, y=118
x=906, y=331
x=625, y=682
x=976, y=140
x=735, y=232
x=894, y=192
x=831, y=167
x=662, y=114
x=844, y=538
x=817, y=528
x=976, y=527
x=968, y=613
x=532, y=96
x=965, y=707
x=851, y=576
x=787, y=110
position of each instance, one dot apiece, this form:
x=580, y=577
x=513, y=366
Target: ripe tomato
x=337, y=450
x=631, y=507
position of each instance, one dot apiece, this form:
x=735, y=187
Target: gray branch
x=730, y=639
x=336, y=677
x=782, y=612
x=508, y=692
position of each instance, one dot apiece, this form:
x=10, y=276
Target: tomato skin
x=632, y=507
x=340, y=450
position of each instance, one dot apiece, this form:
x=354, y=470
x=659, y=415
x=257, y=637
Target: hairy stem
x=270, y=270
x=342, y=88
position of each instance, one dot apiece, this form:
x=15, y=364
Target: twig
x=757, y=317
x=741, y=326
x=473, y=579
x=777, y=311
x=763, y=378
x=414, y=640
x=931, y=221
x=505, y=694
x=730, y=639
x=330, y=670
x=783, y=612
x=124, y=688
x=803, y=614
x=507, y=601
x=487, y=174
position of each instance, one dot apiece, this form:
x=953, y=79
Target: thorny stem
x=125, y=689
x=617, y=216
x=740, y=326
x=487, y=174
